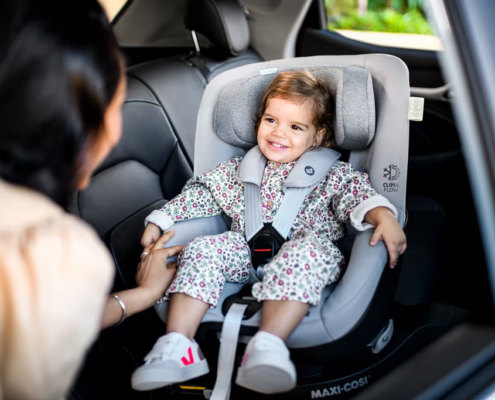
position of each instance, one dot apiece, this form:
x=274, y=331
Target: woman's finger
x=172, y=251
x=403, y=248
x=160, y=243
x=147, y=250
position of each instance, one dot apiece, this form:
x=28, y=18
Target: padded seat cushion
x=354, y=114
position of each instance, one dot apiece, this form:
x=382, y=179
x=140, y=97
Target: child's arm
x=204, y=195
x=195, y=201
x=356, y=202
x=388, y=230
x=354, y=196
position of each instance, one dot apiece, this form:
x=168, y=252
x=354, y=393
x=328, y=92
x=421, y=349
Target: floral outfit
x=304, y=265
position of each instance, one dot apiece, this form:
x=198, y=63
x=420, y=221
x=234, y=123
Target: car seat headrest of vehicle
x=354, y=106
x=223, y=22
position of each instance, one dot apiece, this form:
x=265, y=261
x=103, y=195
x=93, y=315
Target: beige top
x=54, y=278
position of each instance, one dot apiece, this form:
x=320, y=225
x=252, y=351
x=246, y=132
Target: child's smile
x=286, y=130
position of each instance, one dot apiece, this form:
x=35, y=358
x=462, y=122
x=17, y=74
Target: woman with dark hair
x=62, y=86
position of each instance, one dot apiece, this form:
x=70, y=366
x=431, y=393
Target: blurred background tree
x=401, y=16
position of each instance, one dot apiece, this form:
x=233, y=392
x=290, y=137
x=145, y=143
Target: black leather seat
x=154, y=157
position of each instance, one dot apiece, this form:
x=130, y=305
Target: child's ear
x=319, y=137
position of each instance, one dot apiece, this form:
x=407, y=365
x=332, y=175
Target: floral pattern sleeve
x=204, y=195
x=195, y=201
x=351, y=187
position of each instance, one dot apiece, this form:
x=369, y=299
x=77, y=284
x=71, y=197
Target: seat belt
x=226, y=356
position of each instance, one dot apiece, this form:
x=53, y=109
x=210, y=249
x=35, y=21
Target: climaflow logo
x=340, y=389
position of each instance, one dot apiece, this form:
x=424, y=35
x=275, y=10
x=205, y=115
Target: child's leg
x=206, y=263
x=182, y=305
x=266, y=366
x=204, y=266
x=280, y=318
x=294, y=280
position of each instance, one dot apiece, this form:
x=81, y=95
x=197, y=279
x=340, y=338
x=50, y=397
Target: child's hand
x=151, y=234
x=388, y=230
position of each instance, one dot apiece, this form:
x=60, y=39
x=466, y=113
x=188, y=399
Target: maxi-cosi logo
x=336, y=390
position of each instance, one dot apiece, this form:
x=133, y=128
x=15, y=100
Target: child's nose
x=279, y=132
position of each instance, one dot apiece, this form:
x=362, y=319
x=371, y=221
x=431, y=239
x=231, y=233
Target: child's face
x=286, y=130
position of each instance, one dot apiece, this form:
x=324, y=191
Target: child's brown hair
x=303, y=87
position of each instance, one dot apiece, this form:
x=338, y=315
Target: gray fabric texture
x=354, y=108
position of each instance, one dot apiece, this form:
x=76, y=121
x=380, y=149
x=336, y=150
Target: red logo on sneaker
x=244, y=359
x=191, y=358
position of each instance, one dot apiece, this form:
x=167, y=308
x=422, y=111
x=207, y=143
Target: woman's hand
x=153, y=273
x=151, y=234
x=389, y=231
x=153, y=277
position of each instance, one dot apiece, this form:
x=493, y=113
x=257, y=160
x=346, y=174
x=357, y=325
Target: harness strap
x=288, y=210
x=228, y=347
x=254, y=219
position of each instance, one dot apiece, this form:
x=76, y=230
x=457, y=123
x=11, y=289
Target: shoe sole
x=153, y=378
x=266, y=378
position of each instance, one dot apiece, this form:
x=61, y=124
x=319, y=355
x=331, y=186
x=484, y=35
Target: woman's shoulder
x=84, y=245
x=38, y=228
x=21, y=207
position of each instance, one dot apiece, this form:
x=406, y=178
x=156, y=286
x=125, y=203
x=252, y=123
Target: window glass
x=112, y=7
x=394, y=23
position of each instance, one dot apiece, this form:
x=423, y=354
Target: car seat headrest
x=354, y=101
x=221, y=21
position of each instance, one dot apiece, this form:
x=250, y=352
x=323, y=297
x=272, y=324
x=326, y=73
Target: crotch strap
x=311, y=168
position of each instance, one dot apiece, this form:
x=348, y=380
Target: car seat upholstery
x=155, y=155
x=360, y=298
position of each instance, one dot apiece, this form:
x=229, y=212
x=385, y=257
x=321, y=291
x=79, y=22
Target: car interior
x=174, y=50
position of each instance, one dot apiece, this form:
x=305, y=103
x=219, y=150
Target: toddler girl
x=294, y=118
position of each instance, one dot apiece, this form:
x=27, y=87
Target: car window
x=393, y=23
x=112, y=7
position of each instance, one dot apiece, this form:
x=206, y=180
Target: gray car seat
x=355, y=312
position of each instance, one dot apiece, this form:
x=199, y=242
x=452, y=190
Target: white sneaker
x=266, y=366
x=173, y=359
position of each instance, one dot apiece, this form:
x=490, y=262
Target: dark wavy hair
x=304, y=88
x=60, y=66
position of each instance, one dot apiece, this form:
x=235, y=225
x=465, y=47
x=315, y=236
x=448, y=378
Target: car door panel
x=424, y=70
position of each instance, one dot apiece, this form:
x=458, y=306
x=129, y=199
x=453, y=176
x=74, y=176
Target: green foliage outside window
x=400, y=16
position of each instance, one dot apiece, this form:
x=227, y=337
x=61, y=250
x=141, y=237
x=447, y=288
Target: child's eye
x=270, y=120
x=296, y=127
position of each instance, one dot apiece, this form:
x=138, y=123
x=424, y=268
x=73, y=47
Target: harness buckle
x=265, y=245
